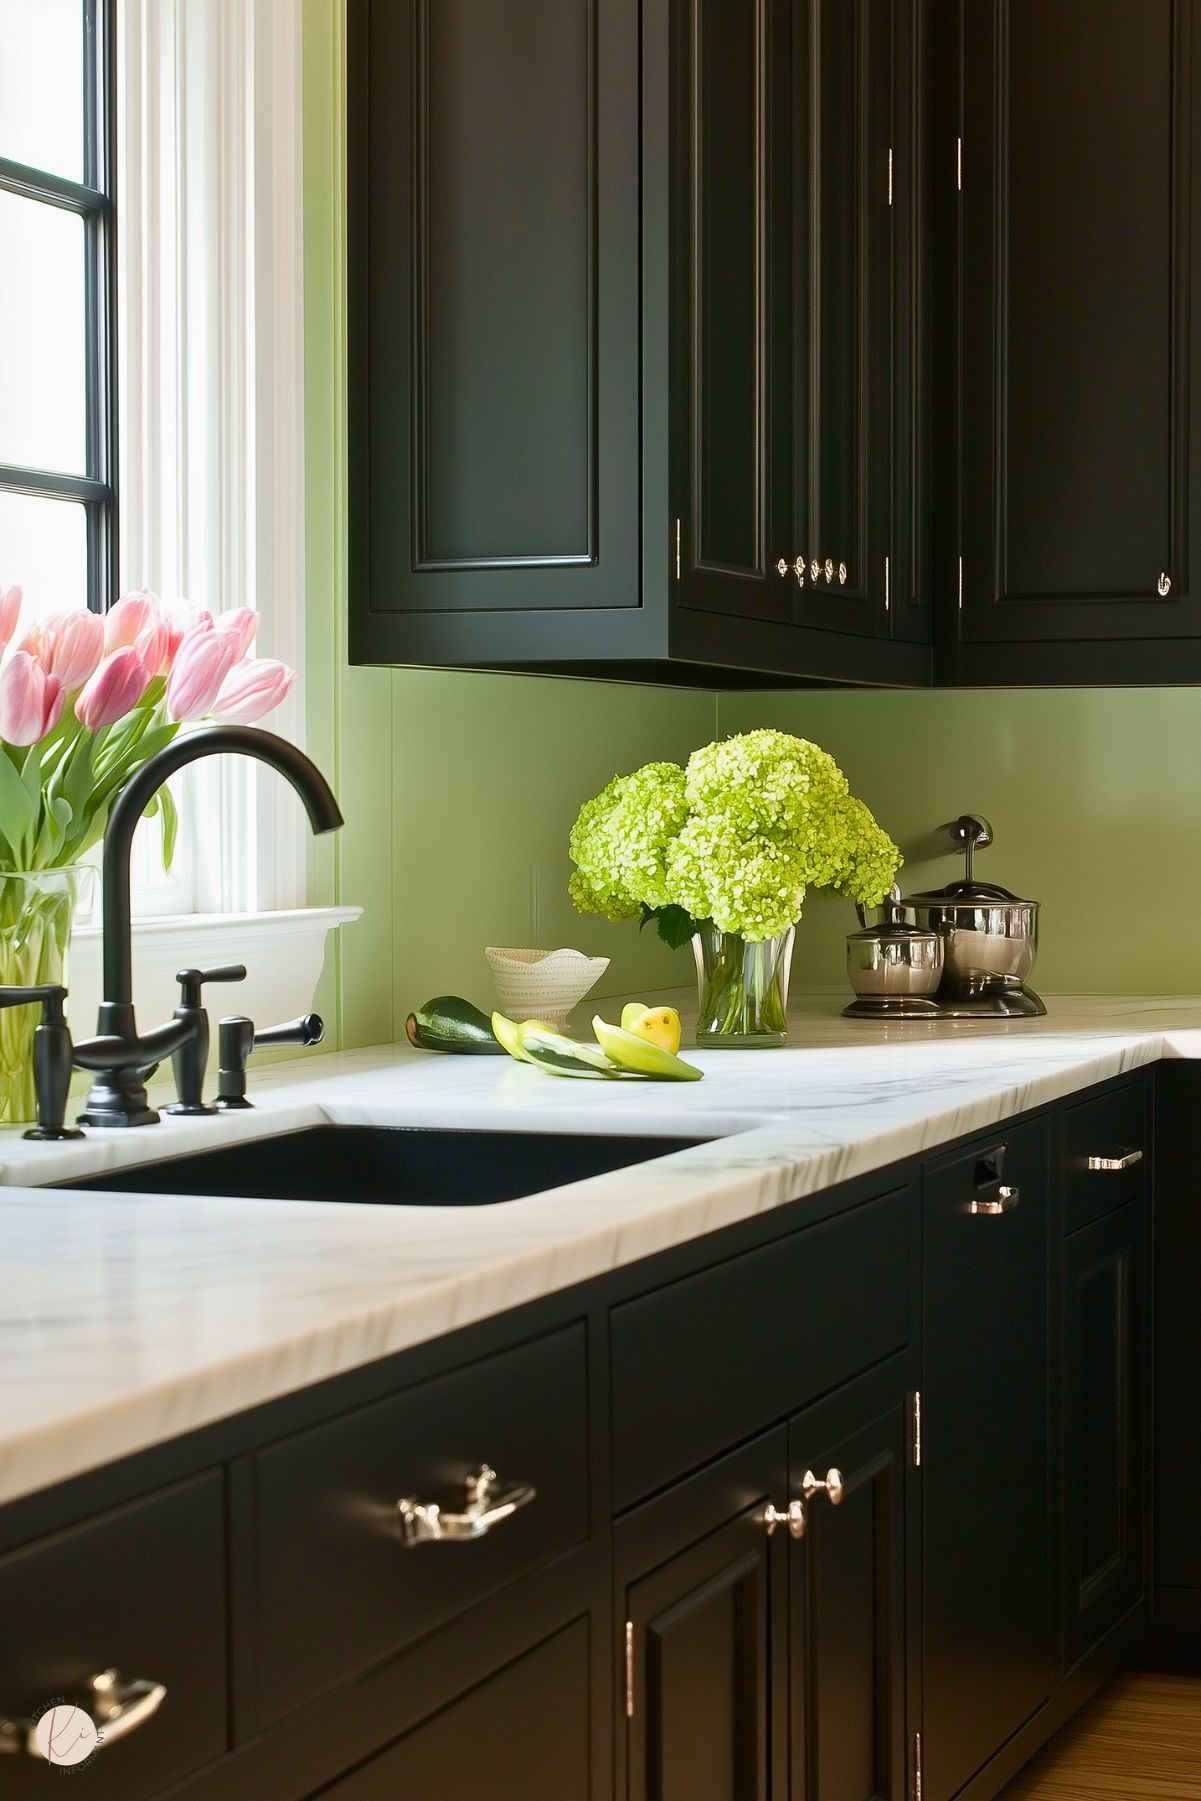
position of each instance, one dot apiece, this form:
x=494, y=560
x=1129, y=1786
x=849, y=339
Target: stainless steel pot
x=894, y=960
x=989, y=936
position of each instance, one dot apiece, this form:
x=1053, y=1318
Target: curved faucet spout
x=120, y=1056
x=139, y=791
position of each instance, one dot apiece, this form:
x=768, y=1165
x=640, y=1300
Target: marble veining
x=127, y=1319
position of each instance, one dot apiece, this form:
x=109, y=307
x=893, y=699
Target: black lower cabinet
x=1103, y=1432
x=848, y=1601
x=986, y=1502
x=523, y=1735
x=847, y=1502
x=765, y=1612
x=702, y=1588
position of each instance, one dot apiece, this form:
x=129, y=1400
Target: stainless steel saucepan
x=989, y=936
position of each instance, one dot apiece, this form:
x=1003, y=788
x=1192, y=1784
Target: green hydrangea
x=620, y=841
x=738, y=837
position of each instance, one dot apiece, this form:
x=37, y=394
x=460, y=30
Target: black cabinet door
x=522, y=1735
x=987, y=1519
x=703, y=1629
x=847, y=1620
x=494, y=326
x=847, y=196
x=1081, y=279
x=730, y=288
x=1103, y=1428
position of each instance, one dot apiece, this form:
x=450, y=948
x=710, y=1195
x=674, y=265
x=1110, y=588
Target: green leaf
x=674, y=925
x=170, y=827
x=18, y=813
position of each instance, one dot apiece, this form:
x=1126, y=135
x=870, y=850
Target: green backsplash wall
x=1094, y=796
x=458, y=790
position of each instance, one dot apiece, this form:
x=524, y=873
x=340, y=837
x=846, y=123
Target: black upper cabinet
x=630, y=296
x=1080, y=239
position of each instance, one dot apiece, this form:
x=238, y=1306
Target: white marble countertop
x=127, y=1319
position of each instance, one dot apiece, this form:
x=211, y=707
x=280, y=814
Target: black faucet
x=120, y=1057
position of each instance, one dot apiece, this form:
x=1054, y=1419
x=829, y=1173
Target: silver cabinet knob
x=488, y=1502
x=842, y=575
x=815, y=569
x=782, y=566
x=793, y=1517
x=1004, y=1201
x=1164, y=584
x=829, y=569
x=1123, y=1160
x=831, y=1486
x=117, y=1708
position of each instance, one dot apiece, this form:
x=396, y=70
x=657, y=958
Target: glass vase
x=743, y=989
x=37, y=913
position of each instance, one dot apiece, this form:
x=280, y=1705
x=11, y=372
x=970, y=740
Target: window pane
x=42, y=324
x=44, y=550
x=41, y=84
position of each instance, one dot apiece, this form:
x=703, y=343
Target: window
x=58, y=455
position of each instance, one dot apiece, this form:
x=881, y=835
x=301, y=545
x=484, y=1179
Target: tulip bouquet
x=85, y=700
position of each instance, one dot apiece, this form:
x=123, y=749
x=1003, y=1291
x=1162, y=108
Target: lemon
x=658, y=1025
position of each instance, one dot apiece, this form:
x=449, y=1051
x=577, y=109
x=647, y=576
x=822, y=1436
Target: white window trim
x=212, y=389
x=284, y=952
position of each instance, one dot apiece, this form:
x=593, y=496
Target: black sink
x=407, y=1168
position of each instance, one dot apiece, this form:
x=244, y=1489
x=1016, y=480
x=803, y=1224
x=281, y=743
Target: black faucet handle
x=192, y=981
x=51, y=994
x=52, y=1057
x=308, y=1029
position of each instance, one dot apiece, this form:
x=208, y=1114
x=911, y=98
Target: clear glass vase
x=37, y=912
x=743, y=989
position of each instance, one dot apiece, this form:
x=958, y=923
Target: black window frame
x=93, y=200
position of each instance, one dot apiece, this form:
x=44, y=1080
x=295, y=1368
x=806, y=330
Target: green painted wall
x=459, y=790
x=1094, y=796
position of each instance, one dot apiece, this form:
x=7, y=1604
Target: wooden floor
x=1140, y=1740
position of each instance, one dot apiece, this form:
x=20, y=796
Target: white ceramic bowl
x=542, y=984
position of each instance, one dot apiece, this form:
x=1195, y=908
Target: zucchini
x=449, y=1023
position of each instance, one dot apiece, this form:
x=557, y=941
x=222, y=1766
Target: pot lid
x=895, y=931
x=968, y=894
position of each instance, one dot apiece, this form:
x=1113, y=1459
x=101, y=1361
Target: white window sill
x=283, y=953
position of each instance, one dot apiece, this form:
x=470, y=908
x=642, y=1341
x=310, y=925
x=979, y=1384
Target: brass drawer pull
x=1005, y=1201
x=117, y=1708
x=489, y=1501
x=833, y=1486
x=1123, y=1160
x=793, y=1517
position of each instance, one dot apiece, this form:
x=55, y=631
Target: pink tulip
x=30, y=700
x=180, y=620
x=67, y=645
x=242, y=624
x=251, y=689
x=202, y=662
x=133, y=614
x=10, y=607
x=117, y=687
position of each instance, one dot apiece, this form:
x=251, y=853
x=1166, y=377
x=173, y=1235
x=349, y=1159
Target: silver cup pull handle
x=488, y=1502
x=1004, y=1201
x=1123, y=1160
x=117, y=1709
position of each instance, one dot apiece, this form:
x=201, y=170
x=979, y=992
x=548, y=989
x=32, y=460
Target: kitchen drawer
x=140, y=1590
x=336, y=1587
x=1112, y=1126
x=704, y=1363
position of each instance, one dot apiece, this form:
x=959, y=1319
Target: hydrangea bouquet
x=723, y=852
